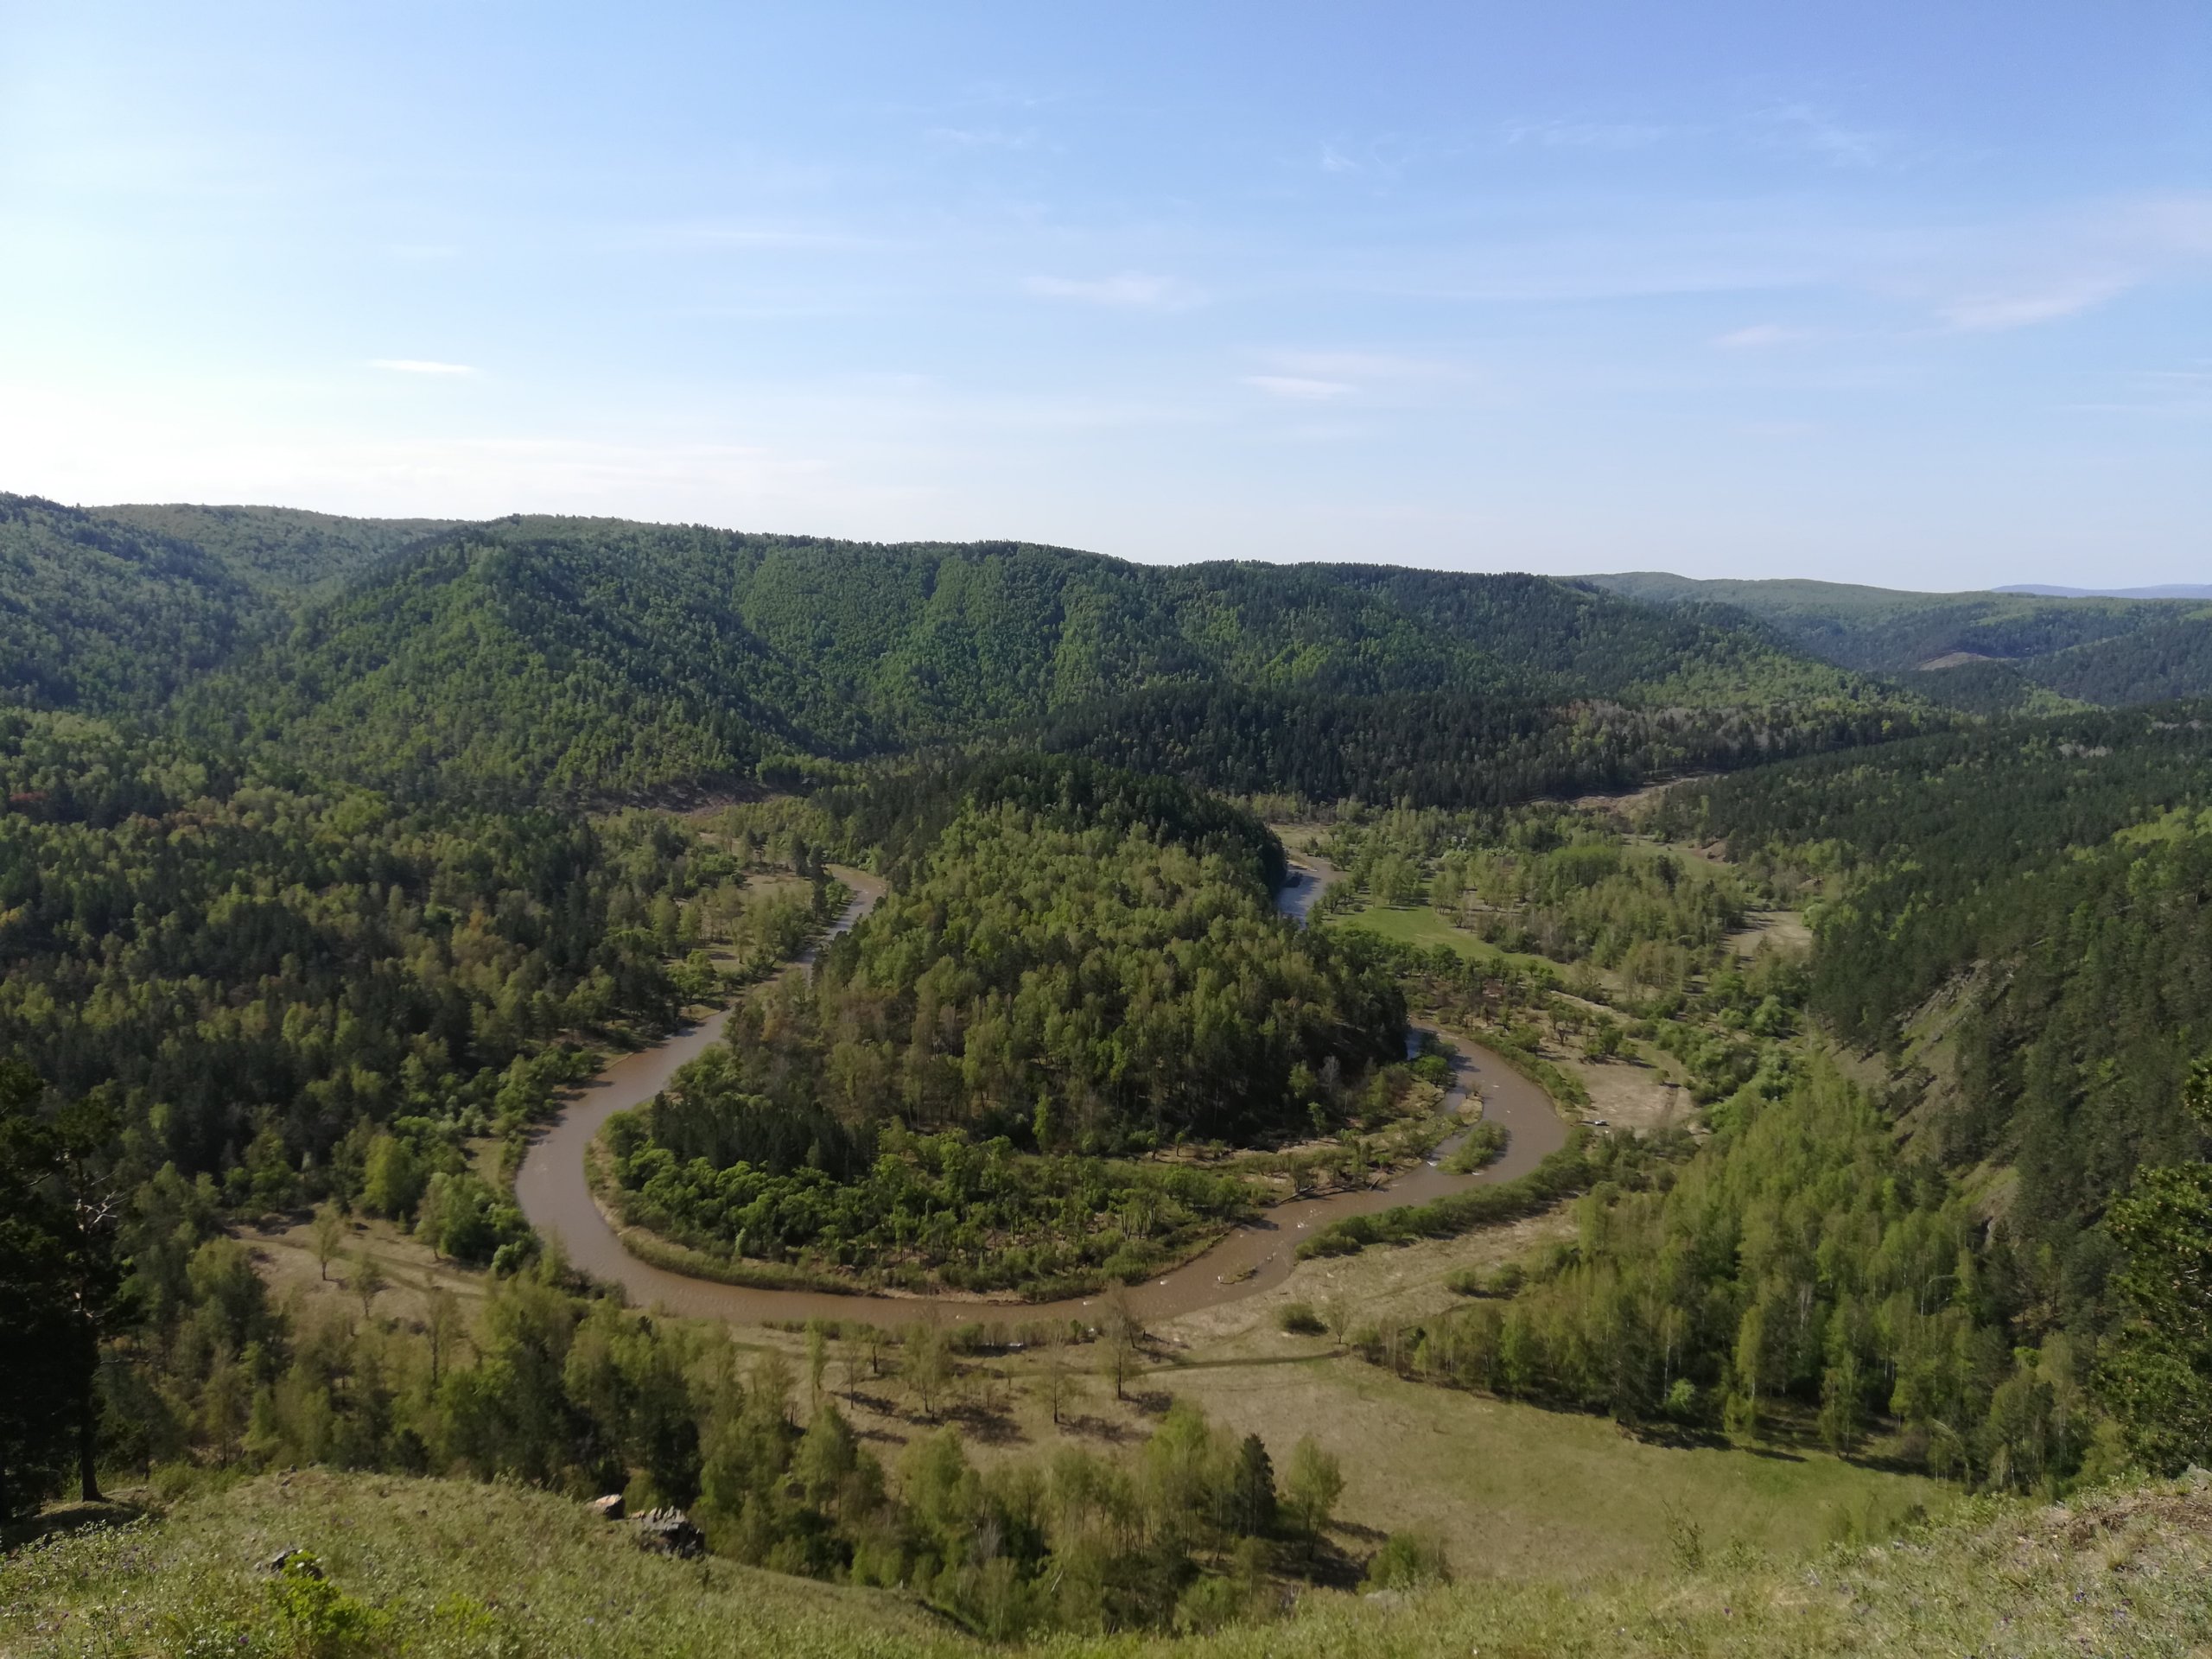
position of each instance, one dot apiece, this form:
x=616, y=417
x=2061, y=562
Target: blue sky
x=1911, y=294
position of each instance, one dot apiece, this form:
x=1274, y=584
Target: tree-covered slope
x=2013, y=651
x=246, y=972
x=503, y=663
x=592, y=657
x=1440, y=748
x=115, y=609
x=282, y=549
x=99, y=614
x=2047, y=887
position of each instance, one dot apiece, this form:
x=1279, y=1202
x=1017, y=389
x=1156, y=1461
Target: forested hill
x=593, y=658
x=99, y=614
x=1989, y=651
x=545, y=659
x=115, y=610
x=2023, y=915
x=282, y=550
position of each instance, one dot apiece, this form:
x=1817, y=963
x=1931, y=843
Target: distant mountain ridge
x=596, y=659
x=589, y=657
x=1987, y=653
x=2170, y=590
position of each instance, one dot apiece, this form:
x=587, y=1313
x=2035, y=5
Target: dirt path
x=557, y=1201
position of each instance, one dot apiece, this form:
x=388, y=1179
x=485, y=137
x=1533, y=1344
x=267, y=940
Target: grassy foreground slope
x=441, y=1567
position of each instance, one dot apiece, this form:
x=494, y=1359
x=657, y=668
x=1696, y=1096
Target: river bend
x=557, y=1201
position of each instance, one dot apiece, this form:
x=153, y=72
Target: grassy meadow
x=441, y=1567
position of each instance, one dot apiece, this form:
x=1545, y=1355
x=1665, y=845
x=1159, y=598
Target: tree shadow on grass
x=992, y=1425
x=1097, y=1428
x=58, y=1520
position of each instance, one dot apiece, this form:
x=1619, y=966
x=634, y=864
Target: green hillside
x=117, y=609
x=282, y=550
x=443, y=1567
x=2018, y=919
x=594, y=658
x=1984, y=652
x=99, y=614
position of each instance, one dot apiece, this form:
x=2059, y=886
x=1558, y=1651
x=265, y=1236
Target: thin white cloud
x=1758, y=336
x=1131, y=290
x=1814, y=129
x=1297, y=389
x=1335, y=161
x=1989, y=313
x=419, y=365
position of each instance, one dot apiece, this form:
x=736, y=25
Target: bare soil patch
x=1632, y=1097
x=285, y=1258
x=1781, y=929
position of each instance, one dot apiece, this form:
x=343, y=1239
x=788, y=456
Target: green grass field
x=1420, y=926
x=1517, y=1491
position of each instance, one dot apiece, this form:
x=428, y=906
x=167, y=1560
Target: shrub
x=1300, y=1320
x=1484, y=1146
x=1407, y=1560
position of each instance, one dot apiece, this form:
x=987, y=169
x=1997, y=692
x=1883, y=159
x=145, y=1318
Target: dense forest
x=251, y=971
x=1793, y=1264
x=1441, y=749
x=119, y=610
x=2018, y=918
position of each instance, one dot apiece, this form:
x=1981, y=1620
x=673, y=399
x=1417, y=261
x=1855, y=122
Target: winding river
x=556, y=1198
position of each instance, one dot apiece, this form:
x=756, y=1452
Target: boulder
x=670, y=1532
x=608, y=1507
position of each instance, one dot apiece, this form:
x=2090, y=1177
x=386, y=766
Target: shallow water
x=553, y=1195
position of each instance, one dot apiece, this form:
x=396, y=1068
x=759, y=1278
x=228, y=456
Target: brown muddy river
x=552, y=1191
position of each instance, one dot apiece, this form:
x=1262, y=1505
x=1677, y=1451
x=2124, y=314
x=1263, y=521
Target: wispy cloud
x=1584, y=135
x=1131, y=290
x=1989, y=313
x=1297, y=389
x=1758, y=336
x=1382, y=157
x=1809, y=127
x=419, y=365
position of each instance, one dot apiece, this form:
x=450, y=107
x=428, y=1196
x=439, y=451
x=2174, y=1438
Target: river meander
x=557, y=1200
